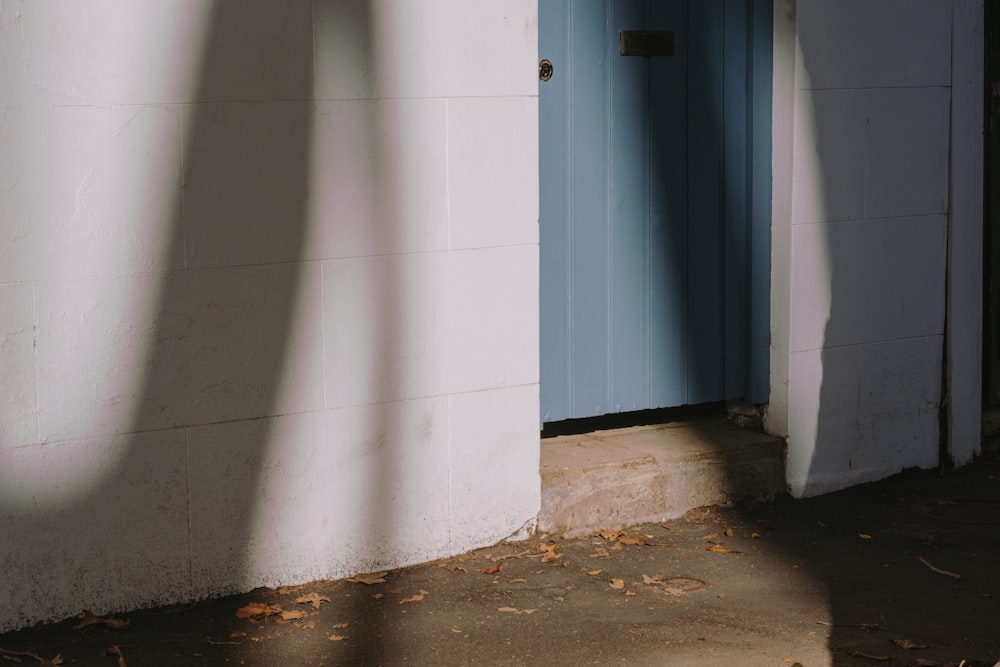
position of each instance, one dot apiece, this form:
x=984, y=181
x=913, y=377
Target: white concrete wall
x=863, y=99
x=268, y=292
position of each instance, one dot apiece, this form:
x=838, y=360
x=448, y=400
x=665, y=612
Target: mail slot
x=646, y=42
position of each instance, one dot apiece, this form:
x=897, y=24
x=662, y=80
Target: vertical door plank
x=668, y=211
x=735, y=91
x=589, y=116
x=628, y=221
x=705, y=201
x=554, y=211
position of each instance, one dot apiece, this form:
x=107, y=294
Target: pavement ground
x=905, y=571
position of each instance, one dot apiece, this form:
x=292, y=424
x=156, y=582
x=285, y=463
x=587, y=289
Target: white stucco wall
x=268, y=292
x=864, y=99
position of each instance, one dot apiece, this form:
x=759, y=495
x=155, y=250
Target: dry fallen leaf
x=312, y=598
x=340, y=626
x=729, y=532
x=617, y=583
x=88, y=619
x=630, y=593
x=674, y=585
x=870, y=656
x=337, y=638
x=720, y=550
x=514, y=610
x=515, y=580
x=549, y=553
x=293, y=615
x=632, y=540
x=257, y=609
x=600, y=552
x=609, y=534
x=908, y=644
x=594, y=573
x=414, y=598
x=864, y=536
x=492, y=570
x=114, y=650
x=755, y=535
x=370, y=578
x=308, y=625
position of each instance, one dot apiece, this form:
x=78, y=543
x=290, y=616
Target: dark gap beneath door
x=637, y=418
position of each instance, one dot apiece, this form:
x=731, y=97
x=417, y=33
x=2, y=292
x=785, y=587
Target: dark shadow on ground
x=910, y=564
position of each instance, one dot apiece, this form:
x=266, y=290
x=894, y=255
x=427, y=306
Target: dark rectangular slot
x=646, y=42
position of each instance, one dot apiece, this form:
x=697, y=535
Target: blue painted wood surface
x=651, y=213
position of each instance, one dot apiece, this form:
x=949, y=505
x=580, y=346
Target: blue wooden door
x=651, y=293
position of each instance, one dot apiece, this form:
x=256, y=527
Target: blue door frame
x=655, y=184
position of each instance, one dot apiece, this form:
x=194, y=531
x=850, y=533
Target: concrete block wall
x=268, y=293
x=862, y=147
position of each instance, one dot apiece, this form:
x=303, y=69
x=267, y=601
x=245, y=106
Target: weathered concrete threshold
x=610, y=479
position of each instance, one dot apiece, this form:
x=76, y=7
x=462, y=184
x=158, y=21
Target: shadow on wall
x=231, y=346
x=868, y=240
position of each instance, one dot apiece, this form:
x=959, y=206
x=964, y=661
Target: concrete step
x=610, y=479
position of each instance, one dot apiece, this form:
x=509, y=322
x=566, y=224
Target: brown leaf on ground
x=340, y=626
x=514, y=610
x=492, y=570
x=414, y=598
x=88, y=619
x=617, y=583
x=550, y=554
x=8, y=654
x=308, y=625
x=114, y=650
x=721, y=550
x=636, y=540
x=518, y=555
x=312, y=598
x=337, y=638
x=908, y=644
x=257, y=609
x=293, y=615
x=516, y=580
x=600, y=552
x=609, y=534
x=370, y=578
x=879, y=658
x=674, y=585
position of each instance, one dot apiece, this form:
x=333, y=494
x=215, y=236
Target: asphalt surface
x=901, y=572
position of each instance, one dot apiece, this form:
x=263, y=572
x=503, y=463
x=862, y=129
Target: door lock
x=545, y=70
